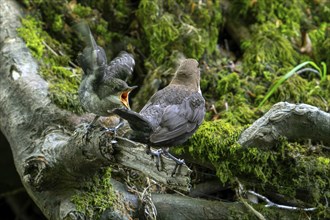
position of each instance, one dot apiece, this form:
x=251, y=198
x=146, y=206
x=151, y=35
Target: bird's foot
x=114, y=130
x=155, y=153
x=178, y=162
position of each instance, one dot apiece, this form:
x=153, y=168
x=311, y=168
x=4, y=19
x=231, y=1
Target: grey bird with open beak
x=171, y=115
x=103, y=86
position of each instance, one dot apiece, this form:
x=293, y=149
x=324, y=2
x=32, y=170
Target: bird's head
x=121, y=95
x=188, y=74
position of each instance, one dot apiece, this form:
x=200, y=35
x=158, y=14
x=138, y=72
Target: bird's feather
x=121, y=67
x=178, y=120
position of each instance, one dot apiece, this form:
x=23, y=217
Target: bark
x=292, y=121
x=53, y=160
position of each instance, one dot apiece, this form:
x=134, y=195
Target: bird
x=103, y=86
x=171, y=115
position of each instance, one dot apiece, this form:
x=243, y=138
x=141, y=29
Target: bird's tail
x=84, y=32
x=93, y=55
x=135, y=120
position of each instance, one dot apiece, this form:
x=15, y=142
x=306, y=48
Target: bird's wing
x=163, y=96
x=180, y=119
x=121, y=67
x=135, y=120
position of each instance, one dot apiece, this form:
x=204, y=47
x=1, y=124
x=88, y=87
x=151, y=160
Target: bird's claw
x=159, y=152
x=156, y=154
x=114, y=130
x=178, y=162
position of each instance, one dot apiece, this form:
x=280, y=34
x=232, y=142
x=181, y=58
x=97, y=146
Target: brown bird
x=171, y=115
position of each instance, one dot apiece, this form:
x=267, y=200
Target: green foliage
x=320, y=39
x=58, y=23
x=229, y=93
x=272, y=49
x=320, y=10
x=97, y=196
x=82, y=11
x=321, y=72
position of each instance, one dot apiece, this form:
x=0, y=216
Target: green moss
x=58, y=23
x=321, y=42
x=293, y=90
x=31, y=32
x=82, y=11
x=192, y=32
x=290, y=169
x=63, y=87
x=323, y=160
x=63, y=80
x=232, y=94
x=97, y=197
x=268, y=49
x=120, y=12
x=286, y=15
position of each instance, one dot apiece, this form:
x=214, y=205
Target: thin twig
x=258, y=214
x=56, y=54
x=239, y=191
x=272, y=204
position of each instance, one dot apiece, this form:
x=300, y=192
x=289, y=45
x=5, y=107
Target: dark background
x=15, y=203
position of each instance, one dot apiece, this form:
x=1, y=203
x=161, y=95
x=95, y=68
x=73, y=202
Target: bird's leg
x=90, y=127
x=178, y=162
x=155, y=153
x=114, y=130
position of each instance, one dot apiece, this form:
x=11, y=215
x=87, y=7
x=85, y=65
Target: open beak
x=124, y=97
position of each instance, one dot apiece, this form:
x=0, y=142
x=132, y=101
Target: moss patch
x=54, y=68
x=98, y=196
x=31, y=32
x=291, y=169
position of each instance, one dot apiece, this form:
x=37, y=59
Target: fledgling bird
x=171, y=115
x=103, y=86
